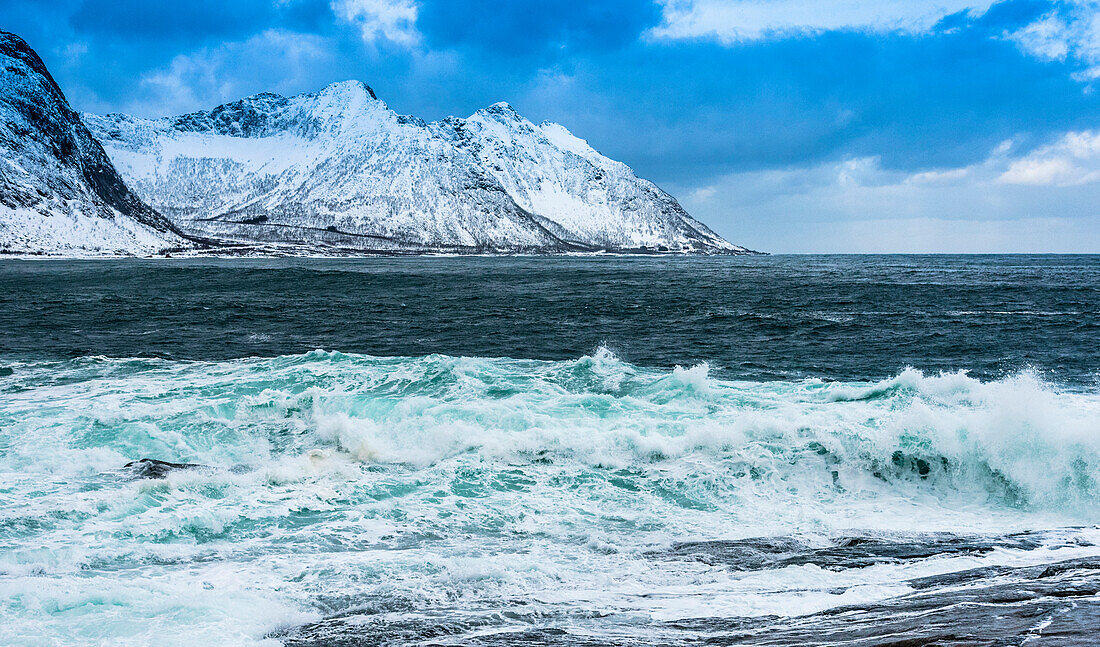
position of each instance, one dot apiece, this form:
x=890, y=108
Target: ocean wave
x=1018, y=442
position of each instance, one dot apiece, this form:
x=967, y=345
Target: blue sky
x=786, y=125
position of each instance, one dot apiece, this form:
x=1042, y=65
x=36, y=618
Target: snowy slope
x=339, y=169
x=587, y=197
x=59, y=193
x=334, y=169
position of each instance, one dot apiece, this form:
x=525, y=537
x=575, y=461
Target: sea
x=764, y=450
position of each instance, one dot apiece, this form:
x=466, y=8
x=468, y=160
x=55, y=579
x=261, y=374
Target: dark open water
x=759, y=318
x=558, y=451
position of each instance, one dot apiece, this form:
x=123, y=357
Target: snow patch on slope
x=70, y=232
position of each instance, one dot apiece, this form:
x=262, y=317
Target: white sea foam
x=337, y=481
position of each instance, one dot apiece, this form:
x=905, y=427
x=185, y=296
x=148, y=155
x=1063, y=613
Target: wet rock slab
x=150, y=468
x=845, y=552
x=1055, y=605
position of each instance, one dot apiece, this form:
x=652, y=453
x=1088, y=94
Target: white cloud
x=207, y=77
x=703, y=193
x=732, y=21
x=945, y=176
x=1071, y=30
x=1072, y=160
x=1045, y=38
x=1044, y=201
x=1043, y=172
x=394, y=20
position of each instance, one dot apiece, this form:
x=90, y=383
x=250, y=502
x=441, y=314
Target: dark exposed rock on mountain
x=59, y=192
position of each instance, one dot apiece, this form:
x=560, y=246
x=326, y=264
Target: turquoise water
x=443, y=485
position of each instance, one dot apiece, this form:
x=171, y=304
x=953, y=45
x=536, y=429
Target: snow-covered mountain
x=580, y=195
x=59, y=193
x=338, y=169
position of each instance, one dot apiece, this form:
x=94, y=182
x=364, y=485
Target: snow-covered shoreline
x=313, y=254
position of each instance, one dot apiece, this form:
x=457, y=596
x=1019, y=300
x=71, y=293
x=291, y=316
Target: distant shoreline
x=372, y=254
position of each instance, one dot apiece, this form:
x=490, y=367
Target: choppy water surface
x=760, y=318
x=550, y=451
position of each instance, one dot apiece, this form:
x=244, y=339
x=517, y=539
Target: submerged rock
x=150, y=468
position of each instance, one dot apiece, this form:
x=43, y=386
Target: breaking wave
x=1019, y=442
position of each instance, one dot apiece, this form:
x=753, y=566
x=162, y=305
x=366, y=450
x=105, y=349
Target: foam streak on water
x=481, y=494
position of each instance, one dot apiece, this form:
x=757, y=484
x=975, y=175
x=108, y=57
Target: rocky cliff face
x=59, y=192
x=339, y=170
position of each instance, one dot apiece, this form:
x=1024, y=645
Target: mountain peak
x=13, y=46
x=246, y=117
x=349, y=87
x=338, y=168
x=502, y=109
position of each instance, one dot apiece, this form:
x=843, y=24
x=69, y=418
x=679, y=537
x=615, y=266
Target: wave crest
x=1018, y=442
